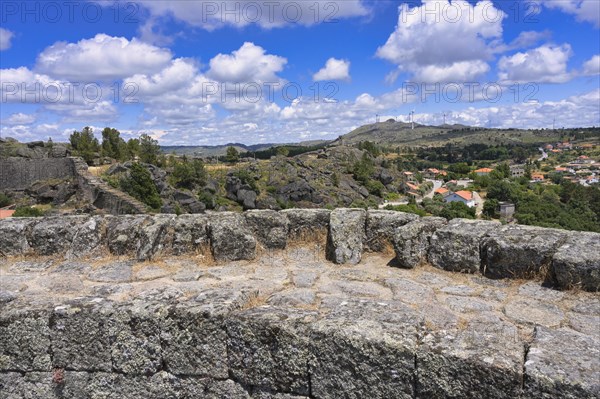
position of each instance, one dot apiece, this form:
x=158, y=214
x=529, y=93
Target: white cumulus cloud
x=583, y=10
x=211, y=15
x=249, y=63
x=450, y=40
x=6, y=37
x=102, y=57
x=545, y=64
x=20, y=118
x=592, y=66
x=334, y=69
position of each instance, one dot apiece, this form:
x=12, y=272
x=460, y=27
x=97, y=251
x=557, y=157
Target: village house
x=442, y=191
x=483, y=171
x=507, y=210
x=537, y=177
x=517, y=171
x=466, y=197
x=433, y=173
x=409, y=176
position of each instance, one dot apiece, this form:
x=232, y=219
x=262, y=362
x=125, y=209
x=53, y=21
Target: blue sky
x=213, y=72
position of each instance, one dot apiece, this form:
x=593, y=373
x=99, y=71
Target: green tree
x=363, y=169
x=189, y=174
x=282, y=151
x=490, y=208
x=149, y=149
x=84, y=144
x=138, y=183
x=233, y=155
x=113, y=146
x=133, y=148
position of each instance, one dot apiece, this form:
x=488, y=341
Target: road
x=436, y=184
x=544, y=154
x=478, y=203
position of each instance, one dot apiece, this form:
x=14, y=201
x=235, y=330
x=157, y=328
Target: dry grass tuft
x=254, y=302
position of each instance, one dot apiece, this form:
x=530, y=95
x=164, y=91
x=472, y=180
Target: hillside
x=399, y=133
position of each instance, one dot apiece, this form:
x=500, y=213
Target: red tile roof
x=466, y=195
x=5, y=213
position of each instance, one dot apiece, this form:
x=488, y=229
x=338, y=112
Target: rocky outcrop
x=346, y=236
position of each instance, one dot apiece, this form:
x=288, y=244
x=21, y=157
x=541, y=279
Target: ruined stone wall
x=102, y=196
x=565, y=259
x=20, y=173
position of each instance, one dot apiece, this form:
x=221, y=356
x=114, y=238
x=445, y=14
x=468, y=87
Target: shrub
x=4, y=200
x=28, y=212
x=139, y=185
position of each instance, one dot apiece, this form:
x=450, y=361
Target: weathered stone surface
x=411, y=241
x=31, y=266
x=562, y=364
x=467, y=305
x=194, y=342
x=381, y=226
x=306, y=221
x=84, y=326
x=297, y=297
x=364, y=350
x=153, y=237
x=6, y=296
x=410, y=291
x=135, y=334
x=25, y=340
x=87, y=239
x=190, y=234
x=456, y=247
x=230, y=237
x=117, y=272
x=483, y=360
x=13, y=235
x=34, y=385
x=54, y=235
x=150, y=272
x=346, y=236
x=577, y=262
x=123, y=233
x=532, y=312
x=520, y=251
x=269, y=349
x=304, y=278
x=269, y=227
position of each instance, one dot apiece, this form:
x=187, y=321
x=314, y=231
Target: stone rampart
x=563, y=258
x=268, y=319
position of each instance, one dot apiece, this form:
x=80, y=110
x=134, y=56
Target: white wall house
x=465, y=197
